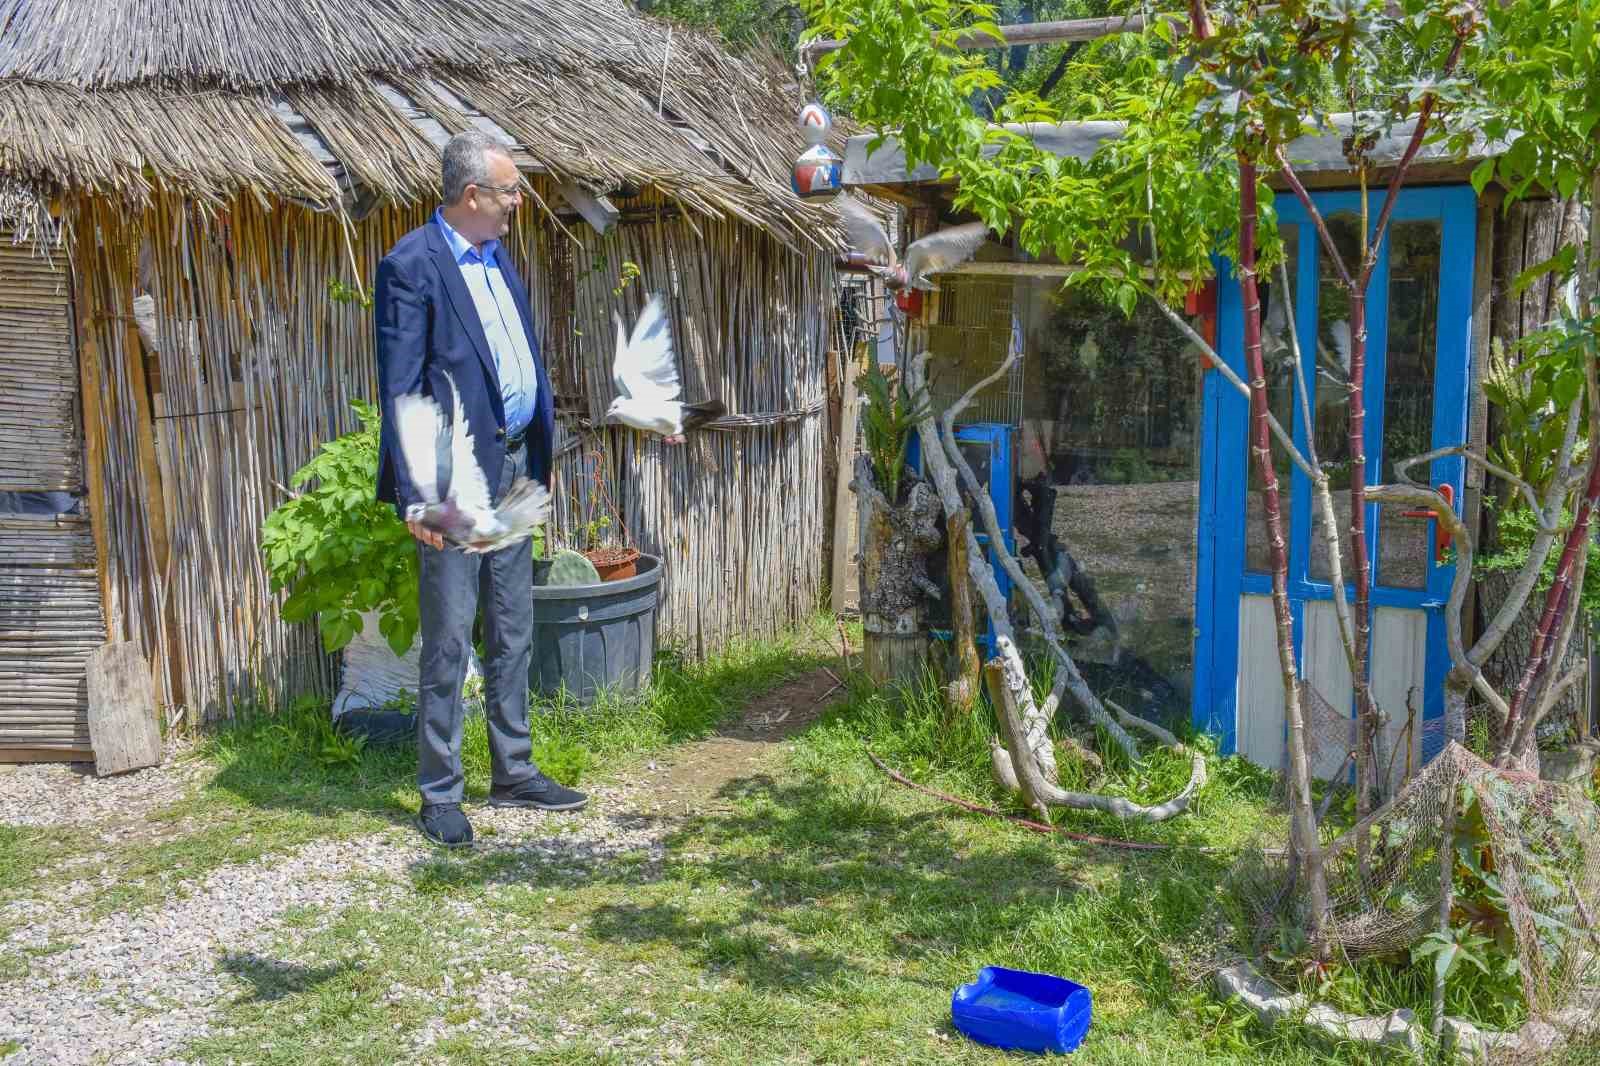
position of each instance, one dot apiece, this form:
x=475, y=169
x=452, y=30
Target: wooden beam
x=45, y=754
x=599, y=212
x=145, y=438
x=1025, y=270
x=1031, y=33
x=1021, y=33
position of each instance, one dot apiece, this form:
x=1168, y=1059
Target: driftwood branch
x=943, y=479
x=1008, y=688
x=1044, y=617
x=1026, y=823
x=1029, y=747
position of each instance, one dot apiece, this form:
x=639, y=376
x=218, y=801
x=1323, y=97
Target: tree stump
x=895, y=542
x=1504, y=667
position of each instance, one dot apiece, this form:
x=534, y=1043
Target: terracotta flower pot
x=614, y=564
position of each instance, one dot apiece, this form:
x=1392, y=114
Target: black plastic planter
x=590, y=638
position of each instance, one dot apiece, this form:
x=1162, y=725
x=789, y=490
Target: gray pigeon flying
x=466, y=517
x=938, y=251
x=646, y=376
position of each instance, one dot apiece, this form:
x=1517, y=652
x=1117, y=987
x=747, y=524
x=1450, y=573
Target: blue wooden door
x=1417, y=378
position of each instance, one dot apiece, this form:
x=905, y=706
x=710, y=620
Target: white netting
x=1524, y=857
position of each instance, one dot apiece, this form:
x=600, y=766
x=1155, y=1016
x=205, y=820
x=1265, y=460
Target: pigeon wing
x=619, y=360
x=866, y=233
x=645, y=368
x=468, y=487
x=419, y=427
x=944, y=249
x=527, y=505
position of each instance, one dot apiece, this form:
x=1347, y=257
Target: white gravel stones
x=140, y=987
x=69, y=794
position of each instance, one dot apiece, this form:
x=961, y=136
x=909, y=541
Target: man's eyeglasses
x=509, y=190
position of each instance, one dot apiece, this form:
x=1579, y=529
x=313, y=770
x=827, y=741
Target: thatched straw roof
x=344, y=103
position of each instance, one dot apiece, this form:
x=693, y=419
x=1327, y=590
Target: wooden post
x=122, y=710
x=169, y=673
x=838, y=575
x=94, y=460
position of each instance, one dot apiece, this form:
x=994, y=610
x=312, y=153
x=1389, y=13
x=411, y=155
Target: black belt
x=515, y=440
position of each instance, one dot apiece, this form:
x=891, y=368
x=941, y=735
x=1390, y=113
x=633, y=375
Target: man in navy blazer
x=449, y=301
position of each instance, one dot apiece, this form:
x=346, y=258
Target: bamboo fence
x=255, y=368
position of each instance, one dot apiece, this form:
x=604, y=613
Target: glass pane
x=1108, y=468
x=1331, y=401
x=1404, y=544
x=1278, y=358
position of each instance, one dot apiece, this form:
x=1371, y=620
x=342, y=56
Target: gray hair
x=466, y=162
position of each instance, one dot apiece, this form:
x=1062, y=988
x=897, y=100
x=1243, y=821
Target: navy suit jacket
x=427, y=326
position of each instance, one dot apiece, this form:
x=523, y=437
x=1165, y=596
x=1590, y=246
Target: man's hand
x=431, y=538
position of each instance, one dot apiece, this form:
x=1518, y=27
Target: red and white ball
x=817, y=173
x=815, y=123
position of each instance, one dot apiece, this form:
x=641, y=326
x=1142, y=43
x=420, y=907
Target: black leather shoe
x=445, y=825
x=538, y=791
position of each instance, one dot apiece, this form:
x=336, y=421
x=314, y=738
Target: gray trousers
x=452, y=584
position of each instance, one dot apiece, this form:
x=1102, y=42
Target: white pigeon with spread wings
x=645, y=373
x=466, y=517
x=938, y=251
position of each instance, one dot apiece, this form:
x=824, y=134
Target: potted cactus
x=594, y=604
x=597, y=539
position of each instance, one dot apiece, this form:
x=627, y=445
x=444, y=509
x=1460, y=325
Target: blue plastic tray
x=1022, y=1010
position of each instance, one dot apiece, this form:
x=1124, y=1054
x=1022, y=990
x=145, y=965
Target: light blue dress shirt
x=502, y=325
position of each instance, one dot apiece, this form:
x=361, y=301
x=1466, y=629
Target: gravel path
x=55, y=795
x=139, y=988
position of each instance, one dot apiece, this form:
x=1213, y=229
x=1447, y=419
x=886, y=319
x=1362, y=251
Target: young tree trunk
x=962, y=694
x=1561, y=601
x=1366, y=713
x=1307, y=846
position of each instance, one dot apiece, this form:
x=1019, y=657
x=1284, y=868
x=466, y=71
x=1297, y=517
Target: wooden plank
x=1026, y=33
x=144, y=430
x=94, y=449
x=1326, y=671
x=1399, y=680
x=599, y=212
x=123, y=729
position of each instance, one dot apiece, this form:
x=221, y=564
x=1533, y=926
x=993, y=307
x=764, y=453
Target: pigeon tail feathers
x=696, y=415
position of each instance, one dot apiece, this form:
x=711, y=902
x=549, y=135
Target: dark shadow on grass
x=272, y=979
x=286, y=762
x=795, y=861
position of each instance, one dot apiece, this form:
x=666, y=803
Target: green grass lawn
x=818, y=914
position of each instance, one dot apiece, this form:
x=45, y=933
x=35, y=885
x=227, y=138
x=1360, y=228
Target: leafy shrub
x=338, y=551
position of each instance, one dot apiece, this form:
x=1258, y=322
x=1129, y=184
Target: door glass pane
x=1404, y=543
x=1332, y=397
x=1278, y=359
x=1108, y=487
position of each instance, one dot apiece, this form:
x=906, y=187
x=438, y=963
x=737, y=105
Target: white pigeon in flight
x=938, y=251
x=465, y=517
x=646, y=376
